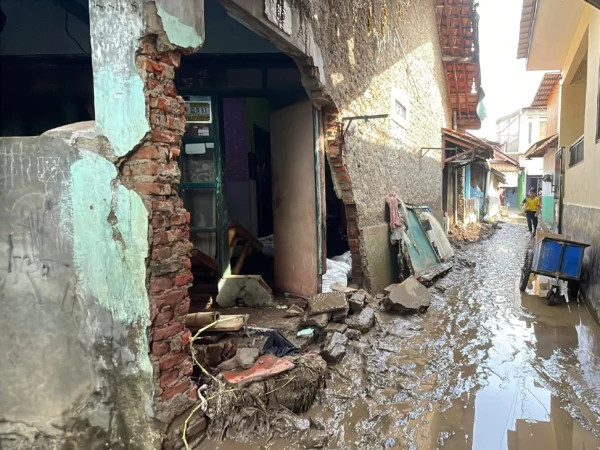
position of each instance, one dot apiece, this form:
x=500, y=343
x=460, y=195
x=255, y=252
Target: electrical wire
x=71, y=36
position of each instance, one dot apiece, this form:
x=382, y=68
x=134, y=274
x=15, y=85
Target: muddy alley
x=484, y=368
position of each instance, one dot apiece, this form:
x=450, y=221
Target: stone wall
x=581, y=224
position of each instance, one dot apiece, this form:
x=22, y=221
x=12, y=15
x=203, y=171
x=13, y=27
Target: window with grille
x=576, y=152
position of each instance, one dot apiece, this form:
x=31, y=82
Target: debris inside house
x=473, y=232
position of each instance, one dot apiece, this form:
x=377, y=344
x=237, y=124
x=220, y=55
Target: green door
x=202, y=174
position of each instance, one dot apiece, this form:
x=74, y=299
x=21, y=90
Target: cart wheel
x=526, y=271
x=553, y=299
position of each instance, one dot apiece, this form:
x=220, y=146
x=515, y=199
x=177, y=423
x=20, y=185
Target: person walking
x=531, y=206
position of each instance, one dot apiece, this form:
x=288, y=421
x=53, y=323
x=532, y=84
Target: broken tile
x=265, y=367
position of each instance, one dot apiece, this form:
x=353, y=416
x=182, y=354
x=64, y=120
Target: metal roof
x=540, y=148
x=546, y=86
x=505, y=167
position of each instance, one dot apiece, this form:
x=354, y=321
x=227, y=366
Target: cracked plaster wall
x=73, y=304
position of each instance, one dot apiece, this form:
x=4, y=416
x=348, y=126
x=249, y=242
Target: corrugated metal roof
x=527, y=16
x=548, y=82
x=540, y=148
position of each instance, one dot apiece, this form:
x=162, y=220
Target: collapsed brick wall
x=343, y=187
x=152, y=171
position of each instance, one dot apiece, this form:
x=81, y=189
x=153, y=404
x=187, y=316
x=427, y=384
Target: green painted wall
x=548, y=209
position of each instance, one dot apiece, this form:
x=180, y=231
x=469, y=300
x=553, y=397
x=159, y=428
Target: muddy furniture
x=238, y=234
x=556, y=258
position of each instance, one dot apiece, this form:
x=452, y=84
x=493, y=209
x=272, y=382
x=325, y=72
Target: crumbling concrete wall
x=73, y=301
x=360, y=58
x=96, y=268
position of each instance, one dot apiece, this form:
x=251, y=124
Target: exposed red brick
x=342, y=176
x=170, y=90
x=163, y=318
x=152, y=188
x=169, y=361
x=147, y=152
x=183, y=308
x=183, y=279
x=162, y=205
x=174, y=152
x=179, y=388
x=161, y=253
x=166, y=332
x=187, y=367
x=164, y=104
x=186, y=337
x=162, y=284
x=145, y=168
x=173, y=297
x=150, y=66
x=168, y=137
x=160, y=348
x=148, y=49
x=172, y=58
x=153, y=83
x=187, y=263
x=168, y=378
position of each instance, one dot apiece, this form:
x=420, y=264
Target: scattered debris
x=326, y=303
x=363, y=321
x=402, y=328
x=336, y=327
x=251, y=290
x=356, y=302
x=338, y=272
x=244, y=358
x=334, y=348
x=472, y=232
x=466, y=261
x=352, y=334
x=340, y=315
x=294, y=311
x=408, y=297
x=318, y=321
x=315, y=439
x=201, y=319
x=266, y=366
x=307, y=332
x=336, y=287
x=278, y=345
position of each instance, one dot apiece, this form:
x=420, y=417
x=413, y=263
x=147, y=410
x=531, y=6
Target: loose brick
x=186, y=337
x=184, y=308
x=163, y=318
x=173, y=297
x=152, y=188
x=168, y=378
x=160, y=348
x=179, y=388
x=183, y=279
x=168, y=137
x=166, y=332
x=162, y=284
x=161, y=253
x=169, y=361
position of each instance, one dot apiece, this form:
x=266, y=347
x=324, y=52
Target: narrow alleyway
x=490, y=368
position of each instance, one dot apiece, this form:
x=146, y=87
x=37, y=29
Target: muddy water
x=490, y=369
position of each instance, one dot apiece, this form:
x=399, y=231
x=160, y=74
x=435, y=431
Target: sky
x=507, y=85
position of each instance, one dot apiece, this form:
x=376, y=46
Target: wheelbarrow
x=557, y=258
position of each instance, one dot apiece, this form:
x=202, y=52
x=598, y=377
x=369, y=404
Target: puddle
x=491, y=368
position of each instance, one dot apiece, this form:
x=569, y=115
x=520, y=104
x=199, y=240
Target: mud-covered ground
x=485, y=368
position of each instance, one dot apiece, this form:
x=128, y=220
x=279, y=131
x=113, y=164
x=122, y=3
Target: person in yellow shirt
x=531, y=206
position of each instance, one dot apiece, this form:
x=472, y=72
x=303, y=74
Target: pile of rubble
x=263, y=374
x=472, y=232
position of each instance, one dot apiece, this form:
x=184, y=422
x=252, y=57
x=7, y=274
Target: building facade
x=202, y=117
x=572, y=31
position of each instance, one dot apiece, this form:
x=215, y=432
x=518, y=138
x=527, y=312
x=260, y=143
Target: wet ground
x=491, y=368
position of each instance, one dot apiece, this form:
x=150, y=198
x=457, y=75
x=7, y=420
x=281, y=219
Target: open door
x=294, y=199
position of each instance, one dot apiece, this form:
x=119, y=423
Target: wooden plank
x=467, y=91
x=452, y=158
x=457, y=97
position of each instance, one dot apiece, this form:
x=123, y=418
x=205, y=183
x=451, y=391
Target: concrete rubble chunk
x=340, y=316
x=353, y=335
x=334, y=348
x=408, y=297
x=243, y=358
x=337, y=287
x=251, y=290
x=318, y=321
x=294, y=311
x=356, y=302
x=327, y=302
x=363, y=321
x=336, y=327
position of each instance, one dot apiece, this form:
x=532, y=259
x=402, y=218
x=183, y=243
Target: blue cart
x=557, y=258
